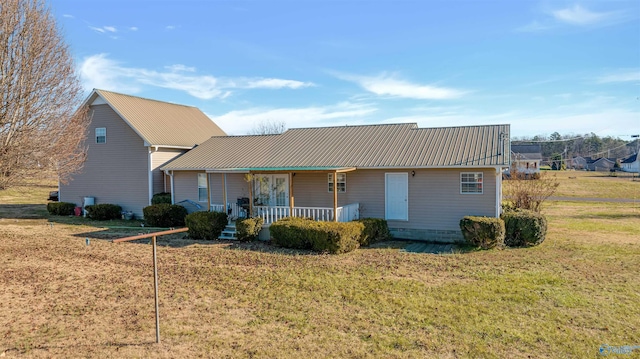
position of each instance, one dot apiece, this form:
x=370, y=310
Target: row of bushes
x=61, y=208
x=331, y=237
x=100, y=212
x=514, y=228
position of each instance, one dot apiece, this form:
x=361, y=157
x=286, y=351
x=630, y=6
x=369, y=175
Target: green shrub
x=164, y=215
x=206, y=225
x=61, y=208
x=160, y=198
x=104, y=211
x=331, y=237
x=524, y=228
x=375, y=230
x=483, y=232
x=289, y=233
x=248, y=229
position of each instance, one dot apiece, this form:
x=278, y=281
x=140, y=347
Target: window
x=471, y=182
x=202, y=187
x=101, y=135
x=342, y=182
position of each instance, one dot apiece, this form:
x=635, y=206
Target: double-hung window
x=101, y=135
x=471, y=183
x=341, y=183
x=202, y=187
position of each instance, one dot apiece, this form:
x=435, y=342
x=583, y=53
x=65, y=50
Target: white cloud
x=241, y=121
x=170, y=27
x=628, y=75
x=275, y=84
x=69, y=16
x=133, y=28
x=387, y=85
x=103, y=29
x=97, y=29
x=98, y=71
x=577, y=15
x=180, y=67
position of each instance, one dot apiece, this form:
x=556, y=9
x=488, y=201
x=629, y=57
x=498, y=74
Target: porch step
x=229, y=232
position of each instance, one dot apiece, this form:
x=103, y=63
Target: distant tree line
x=558, y=146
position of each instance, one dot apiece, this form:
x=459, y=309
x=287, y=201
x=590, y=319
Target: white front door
x=272, y=190
x=396, y=194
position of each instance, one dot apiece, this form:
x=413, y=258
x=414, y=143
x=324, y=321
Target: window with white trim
x=202, y=187
x=471, y=183
x=101, y=135
x=341, y=184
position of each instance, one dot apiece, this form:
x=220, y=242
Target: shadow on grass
x=23, y=211
x=267, y=247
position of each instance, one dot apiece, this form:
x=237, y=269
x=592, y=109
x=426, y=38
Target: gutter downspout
x=170, y=174
x=150, y=176
x=498, y=192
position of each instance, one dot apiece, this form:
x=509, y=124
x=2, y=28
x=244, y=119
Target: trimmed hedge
x=331, y=237
x=206, y=225
x=104, y=211
x=248, y=229
x=61, y=208
x=483, y=232
x=160, y=198
x=164, y=215
x=375, y=230
x=524, y=228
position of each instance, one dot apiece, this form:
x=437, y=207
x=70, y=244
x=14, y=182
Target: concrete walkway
x=434, y=248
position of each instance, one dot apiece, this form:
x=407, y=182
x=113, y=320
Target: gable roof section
x=527, y=152
x=161, y=123
x=369, y=146
x=630, y=159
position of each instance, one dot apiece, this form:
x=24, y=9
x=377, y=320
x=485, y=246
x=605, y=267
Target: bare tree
x=524, y=191
x=269, y=127
x=41, y=130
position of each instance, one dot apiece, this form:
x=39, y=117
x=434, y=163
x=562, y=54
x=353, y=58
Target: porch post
x=208, y=192
x=224, y=192
x=290, y=194
x=250, y=181
x=335, y=196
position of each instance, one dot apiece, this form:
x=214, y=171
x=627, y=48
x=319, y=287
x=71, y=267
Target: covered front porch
x=271, y=194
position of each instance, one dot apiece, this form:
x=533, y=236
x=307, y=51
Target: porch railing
x=271, y=214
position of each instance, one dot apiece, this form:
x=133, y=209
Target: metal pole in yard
x=155, y=287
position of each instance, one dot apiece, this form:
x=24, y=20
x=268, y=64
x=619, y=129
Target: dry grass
x=595, y=185
x=578, y=290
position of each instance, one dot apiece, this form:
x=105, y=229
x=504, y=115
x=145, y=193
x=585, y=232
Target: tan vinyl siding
x=312, y=190
x=435, y=201
x=114, y=172
x=186, y=185
x=159, y=158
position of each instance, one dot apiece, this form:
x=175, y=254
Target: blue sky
x=542, y=66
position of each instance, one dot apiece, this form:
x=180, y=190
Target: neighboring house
x=526, y=158
x=581, y=163
x=601, y=164
x=421, y=180
x=129, y=138
x=631, y=164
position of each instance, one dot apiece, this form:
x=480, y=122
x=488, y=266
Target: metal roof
x=370, y=146
x=161, y=123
